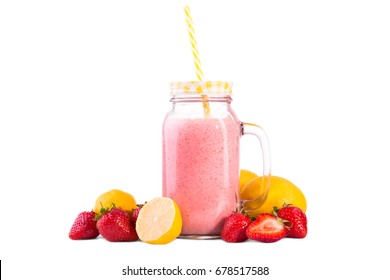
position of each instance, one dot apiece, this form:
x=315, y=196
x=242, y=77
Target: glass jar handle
x=249, y=128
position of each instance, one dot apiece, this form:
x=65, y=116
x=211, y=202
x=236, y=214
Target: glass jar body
x=201, y=162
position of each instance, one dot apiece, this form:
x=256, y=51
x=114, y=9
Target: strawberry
x=295, y=220
x=266, y=228
x=134, y=214
x=114, y=225
x=234, y=227
x=84, y=227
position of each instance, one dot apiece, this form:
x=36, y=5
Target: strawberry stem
x=103, y=211
x=287, y=224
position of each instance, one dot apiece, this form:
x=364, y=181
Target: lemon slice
x=159, y=221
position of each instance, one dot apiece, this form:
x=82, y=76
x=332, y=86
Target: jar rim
x=201, y=87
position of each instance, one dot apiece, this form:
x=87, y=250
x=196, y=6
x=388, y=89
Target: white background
x=84, y=87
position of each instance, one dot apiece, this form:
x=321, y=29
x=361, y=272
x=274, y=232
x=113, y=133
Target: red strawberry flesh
x=266, y=228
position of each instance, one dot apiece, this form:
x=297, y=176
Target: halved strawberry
x=266, y=228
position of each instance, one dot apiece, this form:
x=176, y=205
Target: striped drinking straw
x=195, y=54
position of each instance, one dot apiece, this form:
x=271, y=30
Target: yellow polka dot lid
x=201, y=87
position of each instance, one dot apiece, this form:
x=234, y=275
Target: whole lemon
x=245, y=177
x=281, y=191
x=120, y=198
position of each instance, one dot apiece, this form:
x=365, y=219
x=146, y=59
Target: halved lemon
x=159, y=221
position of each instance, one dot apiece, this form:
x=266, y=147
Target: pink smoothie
x=201, y=170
